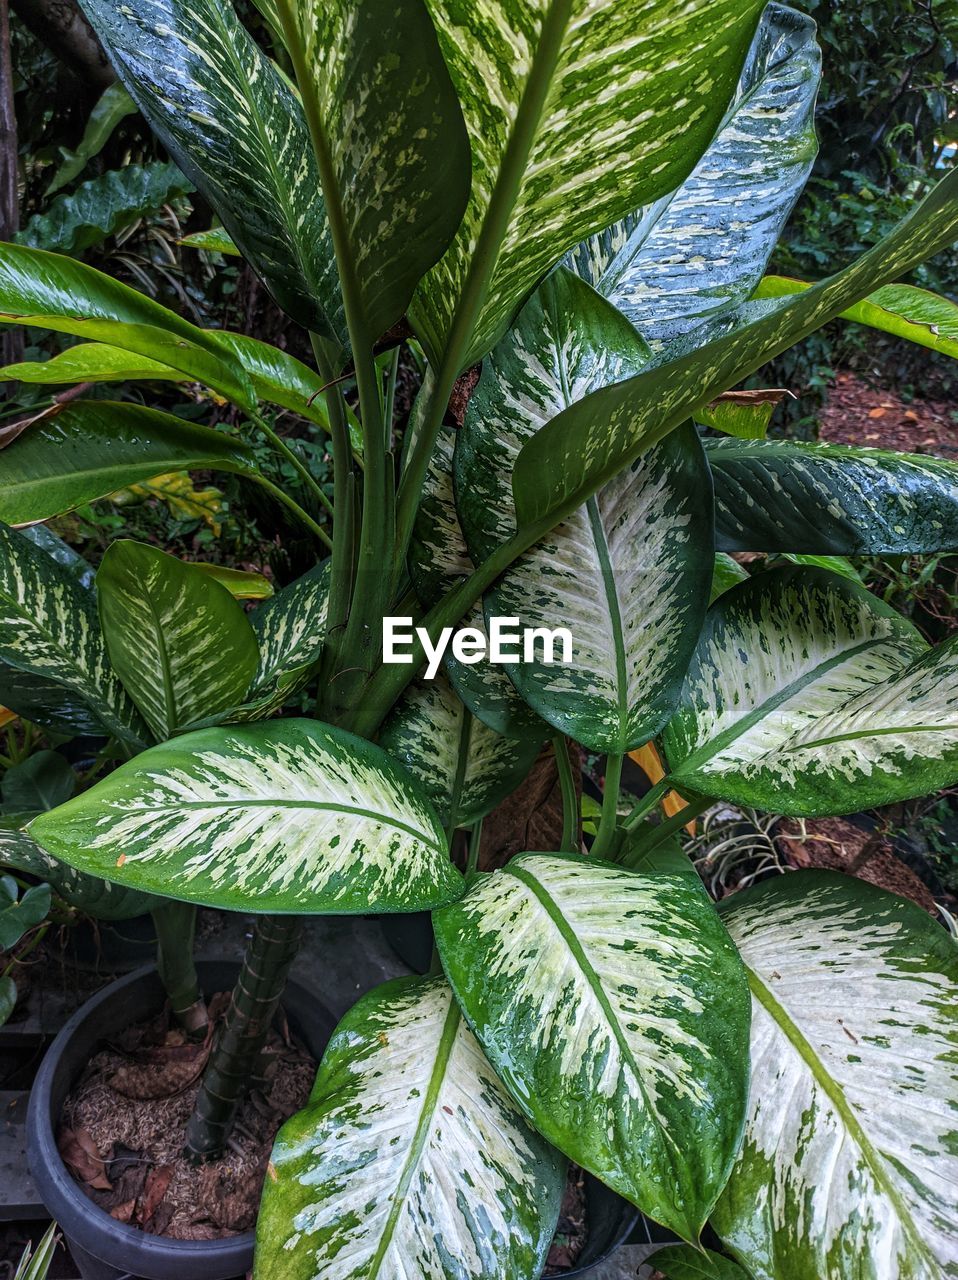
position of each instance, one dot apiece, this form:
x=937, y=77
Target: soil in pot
x=124, y=1121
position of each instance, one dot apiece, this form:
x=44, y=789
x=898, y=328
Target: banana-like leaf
x=393, y=147
x=809, y=696
x=95, y=447
x=233, y=124
x=50, y=291
x=215, y=240
x=49, y=630
x=113, y=105
x=901, y=309
x=850, y=1159
x=615, y=1009
x=89, y=894
x=575, y=119
x=628, y=574
x=438, y=1171
x=290, y=630
x=465, y=767
x=831, y=499
x=92, y=362
x=283, y=816
x=439, y=561
x=242, y=584
x=180, y=643
x=703, y=248
x=103, y=206
x=682, y=1262
x=589, y=443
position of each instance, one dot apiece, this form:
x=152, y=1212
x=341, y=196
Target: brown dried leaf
x=80, y=1154
x=156, y=1188
x=123, y=1212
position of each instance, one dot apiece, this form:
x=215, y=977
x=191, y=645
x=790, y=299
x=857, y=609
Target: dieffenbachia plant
x=580, y=197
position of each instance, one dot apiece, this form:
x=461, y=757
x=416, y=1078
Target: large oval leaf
x=629, y=573
x=588, y=122
x=615, y=1009
x=831, y=499
x=50, y=632
x=409, y=1154
x=704, y=247
x=93, y=448
x=850, y=1159
x=180, y=643
x=465, y=767
x=283, y=816
x=809, y=696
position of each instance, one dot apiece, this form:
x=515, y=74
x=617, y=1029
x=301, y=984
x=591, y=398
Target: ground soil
x=123, y=1127
x=860, y=414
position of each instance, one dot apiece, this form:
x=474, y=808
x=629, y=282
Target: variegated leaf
x=575, y=118
x=410, y=1159
x=393, y=149
x=235, y=127
x=50, y=633
x=831, y=499
x=439, y=561
x=850, y=1160
x=807, y=695
x=465, y=767
x=705, y=246
x=628, y=574
x=615, y=1010
x=282, y=816
x=587, y=444
x=177, y=639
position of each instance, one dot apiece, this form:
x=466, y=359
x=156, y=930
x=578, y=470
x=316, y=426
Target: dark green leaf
x=19, y=917
x=40, y=782
x=113, y=105
x=681, y=1262
x=8, y=998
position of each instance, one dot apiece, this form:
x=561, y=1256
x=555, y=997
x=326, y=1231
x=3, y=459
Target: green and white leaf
x=93, y=448
x=285, y=816
x=615, y=1010
x=807, y=695
x=704, y=247
x=850, y=1159
x=49, y=630
x=180, y=643
x=465, y=767
x=233, y=124
x=46, y=703
x=576, y=119
x=410, y=1158
x=831, y=499
x=628, y=574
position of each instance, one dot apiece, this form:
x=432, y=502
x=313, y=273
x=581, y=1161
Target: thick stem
x=602, y=846
x=651, y=839
x=570, y=800
x=175, y=925
x=647, y=803
x=232, y=1064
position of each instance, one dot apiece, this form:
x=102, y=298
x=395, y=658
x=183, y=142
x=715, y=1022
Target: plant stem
x=389, y=408
x=175, y=925
x=652, y=838
x=462, y=762
x=647, y=803
x=281, y=447
x=292, y=506
x=570, y=801
x=475, y=843
x=602, y=845
x=233, y=1062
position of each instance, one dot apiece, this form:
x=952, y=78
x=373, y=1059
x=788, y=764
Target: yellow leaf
x=6, y=717
x=648, y=760
x=182, y=498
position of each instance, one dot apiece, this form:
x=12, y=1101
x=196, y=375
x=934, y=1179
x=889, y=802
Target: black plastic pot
x=611, y=1222
x=103, y=1248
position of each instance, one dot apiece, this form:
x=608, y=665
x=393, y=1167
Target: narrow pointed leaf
x=93, y=448
x=439, y=1170
x=704, y=247
x=233, y=125
x=581, y=449
x=628, y=574
x=428, y=729
x=215, y=240
x=809, y=696
x=49, y=630
x=287, y=816
x=92, y=362
x=850, y=1158
x=49, y=291
x=831, y=499
x=179, y=642
x=575, y=120
x=615, y=1010
x=394, y=153
x=242, y=584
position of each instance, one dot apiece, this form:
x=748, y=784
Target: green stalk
x=475, y=843
x=652, y=838
x=235, y=1055
x=602, y=845
x=570, y=801
x=462, y=761
x=175, y=925
x=647, y=804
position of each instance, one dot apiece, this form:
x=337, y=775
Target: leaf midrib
x=833, y=1091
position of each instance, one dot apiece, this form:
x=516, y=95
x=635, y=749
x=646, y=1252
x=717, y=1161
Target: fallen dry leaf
x=123, y=1212
x=876, y=413
x=156, y=1188
x=80, y=1154
x=648, y=760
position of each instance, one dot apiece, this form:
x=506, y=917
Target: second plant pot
x=103, y=1248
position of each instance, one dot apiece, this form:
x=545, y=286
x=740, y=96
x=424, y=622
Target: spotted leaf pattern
x=410, y=1158
x=614, y=1008
x=850, y=1158
x=280, y=816
x=809, y=696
